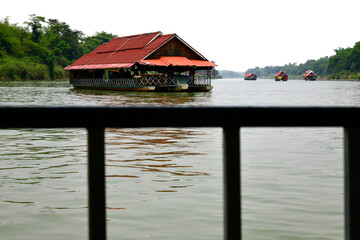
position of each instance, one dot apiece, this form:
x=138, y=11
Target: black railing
x=96, y=119
x=199, y=81
x=125, y=82
x=143, y=81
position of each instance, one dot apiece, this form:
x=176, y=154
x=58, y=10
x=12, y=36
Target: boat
x=281, y=76
x=250, y=76
x=143, y=62
x=309, y=75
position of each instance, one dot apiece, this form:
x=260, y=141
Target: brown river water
x=166, y=183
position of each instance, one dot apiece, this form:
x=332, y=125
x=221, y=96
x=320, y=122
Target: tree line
x=345, y=64
x=41, y=48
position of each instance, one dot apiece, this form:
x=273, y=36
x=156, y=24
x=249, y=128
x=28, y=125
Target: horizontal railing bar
x=177, y=116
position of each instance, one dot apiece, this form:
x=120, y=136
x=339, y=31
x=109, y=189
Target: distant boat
x=310, y=75
x=250, y=76
x=281, y=76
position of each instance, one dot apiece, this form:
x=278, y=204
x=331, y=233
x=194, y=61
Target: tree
x=35, y=24
x=355, y=58
x=92, y=42
x=64, y=41
x=340, y=61
x=10, y=39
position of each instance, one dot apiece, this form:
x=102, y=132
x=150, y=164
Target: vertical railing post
x=352, y=183
x=232, y=192
x=96, y=184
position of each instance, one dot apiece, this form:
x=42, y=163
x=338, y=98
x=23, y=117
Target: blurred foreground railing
x=230, y=119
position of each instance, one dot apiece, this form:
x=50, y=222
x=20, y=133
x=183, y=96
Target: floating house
x=281, y=76
x=144, y=62
x=250, y=76
x=310, y=75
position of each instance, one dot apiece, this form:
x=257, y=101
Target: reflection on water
x=141, y=98
x=164, y=153
x=152, y=173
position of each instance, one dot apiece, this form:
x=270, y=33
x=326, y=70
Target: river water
x=167, y=183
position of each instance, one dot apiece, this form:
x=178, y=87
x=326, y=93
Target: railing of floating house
x=199, y=81
x=124, y=82
x=97, y=82
x=144, y=81
x=230, y=119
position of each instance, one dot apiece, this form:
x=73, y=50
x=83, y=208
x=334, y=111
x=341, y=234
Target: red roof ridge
x=139, y=35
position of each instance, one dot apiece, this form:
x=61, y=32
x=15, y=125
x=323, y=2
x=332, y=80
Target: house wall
x=174, y=48
x=98, y=73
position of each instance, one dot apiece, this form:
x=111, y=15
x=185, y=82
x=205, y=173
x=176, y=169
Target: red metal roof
x=100, y=66
x=249, y=74
x=203, y=63
x=309, y=73
x=126, y=51
x=176, y=61
x=281, y=73
x=126, y=43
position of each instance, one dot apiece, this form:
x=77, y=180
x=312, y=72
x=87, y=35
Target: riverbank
x=27, y=69
x=350, y=77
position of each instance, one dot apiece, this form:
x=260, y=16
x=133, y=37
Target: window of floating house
x=81, y=74
x=98, y=73
x=114, y=73
x=91, y=73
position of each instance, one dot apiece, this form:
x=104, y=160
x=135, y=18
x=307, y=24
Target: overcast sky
x=236, y=34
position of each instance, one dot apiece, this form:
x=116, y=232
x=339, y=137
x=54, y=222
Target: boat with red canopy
x=281, y=76
x=250, y=76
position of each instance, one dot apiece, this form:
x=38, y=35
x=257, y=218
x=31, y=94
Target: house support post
x=232, y=192
x=352, y=183
x=96, y=184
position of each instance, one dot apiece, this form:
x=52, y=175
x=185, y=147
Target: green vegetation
x=41, y=48
x=230, y=74
x=294, y=70
x=345, y=64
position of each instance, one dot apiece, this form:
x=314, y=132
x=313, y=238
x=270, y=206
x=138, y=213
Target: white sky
x=236, y=34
